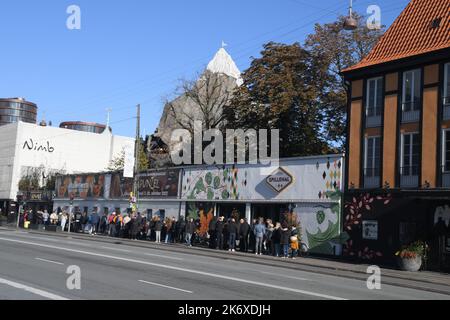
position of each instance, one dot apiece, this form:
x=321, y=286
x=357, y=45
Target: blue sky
x=135, y=51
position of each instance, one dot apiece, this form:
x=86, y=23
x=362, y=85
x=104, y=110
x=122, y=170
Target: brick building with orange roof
x=398, y=139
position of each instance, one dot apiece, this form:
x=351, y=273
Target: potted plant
x=411, y=257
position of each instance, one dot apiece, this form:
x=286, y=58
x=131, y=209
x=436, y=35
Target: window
x=411, y=90
x=446, y=93
x=410, y=159
x=446, y=151
x=411, y=96
x=373, y=156
x=374, y=102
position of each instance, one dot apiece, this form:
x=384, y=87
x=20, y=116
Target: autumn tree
x=331, y=50
x=279, y=92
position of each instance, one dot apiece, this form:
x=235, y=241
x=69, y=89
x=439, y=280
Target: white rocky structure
x=223, y=72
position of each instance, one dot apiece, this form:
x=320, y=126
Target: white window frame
x=376, y=96
x=402, y=149
x=366, y=151
x=413, y=85
x=444, y=150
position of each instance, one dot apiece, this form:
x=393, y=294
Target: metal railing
x=409, y=177
x=447, y=108
x=445, y=177
x=372, y=178
x=373, y=121
x=410, y=111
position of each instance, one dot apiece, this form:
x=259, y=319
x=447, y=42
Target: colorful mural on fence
x=204, y=212
x=81, y=186
x=320, y=225
x=313, y=180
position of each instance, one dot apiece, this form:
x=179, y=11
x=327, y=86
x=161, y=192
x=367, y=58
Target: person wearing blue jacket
x=259, y=230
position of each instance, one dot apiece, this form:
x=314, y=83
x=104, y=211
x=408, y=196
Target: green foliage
x=300, y=89
x=118, y=163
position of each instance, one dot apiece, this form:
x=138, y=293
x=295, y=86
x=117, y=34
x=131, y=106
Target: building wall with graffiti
x=378, y=224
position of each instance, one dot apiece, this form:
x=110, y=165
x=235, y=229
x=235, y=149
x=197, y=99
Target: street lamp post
x=70, y=212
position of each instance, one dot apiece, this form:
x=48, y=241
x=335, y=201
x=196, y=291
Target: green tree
x=118, y=163
x=333, y=49
x=279, y=92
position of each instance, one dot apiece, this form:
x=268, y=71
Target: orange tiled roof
x=412, y=33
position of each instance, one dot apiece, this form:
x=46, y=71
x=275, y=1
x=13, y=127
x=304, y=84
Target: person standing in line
x=158, y=229
x=212, y=233
x=268, y=246
x=84, y=221
x=259, y=231
x=45, y=217
x=244, y=230
x=63, y=218
x=252, y=238
x=294, y=242
x=276, y=239
x=219, y=232
x=111, y=224
x=232, y=233
x=102, y=224
x=190, y=229
x=285, y=239
x=169, y=226
x=95, y=219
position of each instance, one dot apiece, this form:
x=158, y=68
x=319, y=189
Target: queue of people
x=260, y=237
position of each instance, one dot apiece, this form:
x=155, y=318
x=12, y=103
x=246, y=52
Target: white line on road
x=35, y=291
x=163, y=286
x=309, y=293
x=114, y=249
x=161, y=256
x=283, y=276
x=49, y=261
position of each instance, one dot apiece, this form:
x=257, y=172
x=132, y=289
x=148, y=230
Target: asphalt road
x=35, y=267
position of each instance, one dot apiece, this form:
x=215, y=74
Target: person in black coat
x=232, y=234
x=190, y=229
x=244, y=230
x=285, y=239
x=220, y=225
x=212, y=233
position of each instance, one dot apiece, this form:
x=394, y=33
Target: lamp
x=350, y=23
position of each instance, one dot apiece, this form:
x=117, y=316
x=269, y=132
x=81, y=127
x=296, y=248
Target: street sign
x=279, y=180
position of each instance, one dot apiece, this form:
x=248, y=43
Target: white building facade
x=25, y=147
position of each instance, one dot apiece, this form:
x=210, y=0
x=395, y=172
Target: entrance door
x=269, y=211
x=227, y=209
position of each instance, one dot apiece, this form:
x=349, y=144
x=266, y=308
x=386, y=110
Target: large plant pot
x=412, y=265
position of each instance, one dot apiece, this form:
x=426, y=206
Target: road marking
x=50, y=261
x=283, y=276
x=67, y=242
x=35, y=291
x=114, y=249
x=163, y=286
x=309, y=293
x=161, y=256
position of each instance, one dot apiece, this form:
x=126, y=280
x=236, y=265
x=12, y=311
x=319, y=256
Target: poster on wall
x=370, y=230
x=120, y=187
x=81, y=186
x=159, y=184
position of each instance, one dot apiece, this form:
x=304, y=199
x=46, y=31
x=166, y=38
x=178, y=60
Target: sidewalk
x=428, y=281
